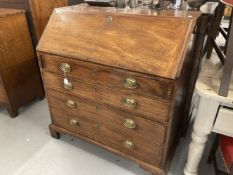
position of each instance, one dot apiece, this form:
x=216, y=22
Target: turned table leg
x=203, y=125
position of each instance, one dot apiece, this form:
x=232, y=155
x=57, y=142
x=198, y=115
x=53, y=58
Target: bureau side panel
x=18, y=68
x=177, y=109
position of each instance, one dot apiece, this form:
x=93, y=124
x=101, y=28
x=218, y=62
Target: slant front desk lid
x=141, y=40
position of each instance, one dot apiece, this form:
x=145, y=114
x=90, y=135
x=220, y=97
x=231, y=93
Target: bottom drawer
x=105, y=125
x=2, y=95
x=224, y=121
x=86, y=126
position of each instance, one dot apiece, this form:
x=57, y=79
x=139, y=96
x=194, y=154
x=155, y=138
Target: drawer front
x=107, y=126
x=224, y=121
x=118, y=98
x=117, y=120
x=104, y=75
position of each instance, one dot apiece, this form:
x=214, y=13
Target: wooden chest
x=118, y=77
x=37, y=12
x=20, y=78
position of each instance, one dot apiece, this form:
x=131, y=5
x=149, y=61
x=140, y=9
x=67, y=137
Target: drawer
x=118, y=98
x=136, y=127
x=107, y=126
x=105, y=76
x=224, y=121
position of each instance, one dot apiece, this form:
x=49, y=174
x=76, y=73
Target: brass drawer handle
x=68, y=86
x=130, y=102
x=130, y=83
x=74, y=122
x=128, y=123
x=128, y=144
x=70, y=104
x=65, y=67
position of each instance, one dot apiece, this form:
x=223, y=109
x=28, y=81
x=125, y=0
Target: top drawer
x=105, y=76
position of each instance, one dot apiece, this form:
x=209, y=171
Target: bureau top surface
x=4, y=12
x=141, y=40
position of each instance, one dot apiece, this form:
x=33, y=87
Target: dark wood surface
x=98, y=91
x=37, y=12
x=2, y=94
x=20, y=79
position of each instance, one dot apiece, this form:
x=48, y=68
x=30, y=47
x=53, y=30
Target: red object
x=226, y=146
x=227, y=2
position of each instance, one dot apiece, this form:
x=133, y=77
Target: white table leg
x=203, y=125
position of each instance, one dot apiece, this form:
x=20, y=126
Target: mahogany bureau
x=118, y=77
x=20, y=78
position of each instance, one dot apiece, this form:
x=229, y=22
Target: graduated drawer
x=109, y=126
x=119, y=98
x=106, y=76
x=224, y=121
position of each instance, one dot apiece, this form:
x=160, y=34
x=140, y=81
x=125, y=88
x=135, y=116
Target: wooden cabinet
x=118, y=78
x=20, y=78
x=37, y=12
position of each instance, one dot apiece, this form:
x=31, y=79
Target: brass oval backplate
x=130, y=83
x=128, y=144
x=129, y=123
x=68, y=86
x=70, y=104
x=74, y=122
x=130, y=102
x=65, y=67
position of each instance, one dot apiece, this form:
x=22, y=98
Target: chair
x=226, y=148
x=225, y=54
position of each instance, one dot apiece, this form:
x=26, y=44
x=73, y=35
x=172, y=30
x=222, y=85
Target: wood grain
x=103, y=46
x=148, y=167
x=37, y=12
x=2, y=94
x=19, y=70
x=146, y=107
x=104, y=134
x=110, y=117
x=147, y=40
x=41, y=12
x=106, y=76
